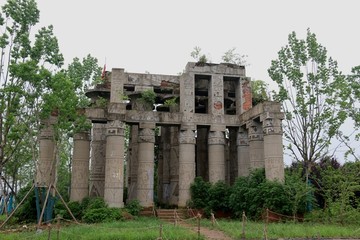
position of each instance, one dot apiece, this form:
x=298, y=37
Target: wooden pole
x=160, y=233
x=44, y=206
x=198, y=223
x=49, y=234
x=58, y=227
x=66, y=206
x=266, y=223
x=243, y=226
x=13, y=212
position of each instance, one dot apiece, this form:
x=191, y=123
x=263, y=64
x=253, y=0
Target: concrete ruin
x=208, y=128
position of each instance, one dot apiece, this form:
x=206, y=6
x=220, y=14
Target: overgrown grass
x=141, y=228
x=255, y=230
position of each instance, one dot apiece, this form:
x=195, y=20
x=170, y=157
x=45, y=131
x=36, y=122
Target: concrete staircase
x=148, y=212
x=170, y=214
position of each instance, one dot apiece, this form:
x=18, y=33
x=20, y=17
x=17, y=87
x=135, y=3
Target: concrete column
x=186, y=163
x=233, y=155
x=164, y=196
x=273, y=149
x=243, y=95
x=202, y=166
x=256, y=144
x=216, y=147
x=80, y=167
x=45, y=174
x=174, y=166
x=114, y=166
x=133, y=161
x=243, y=152
x=145, y=173
x=97, y=173
x=216, y=95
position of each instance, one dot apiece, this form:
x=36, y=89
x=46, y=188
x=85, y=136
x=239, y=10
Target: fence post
x=212, y=219
x=175, y=218
x=49, y=227
x=198, y=223
x=266, y=224
x=243, y=226
x=160, y=232
x=58, y=227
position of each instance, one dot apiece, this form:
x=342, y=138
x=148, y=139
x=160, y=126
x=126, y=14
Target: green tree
x=198, y=56
x=24, y=78
x=314, y=94
x=259, y=91
x=231, y=56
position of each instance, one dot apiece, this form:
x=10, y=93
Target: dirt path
x=208, y=233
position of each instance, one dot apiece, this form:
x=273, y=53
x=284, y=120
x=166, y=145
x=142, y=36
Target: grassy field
x=141, y=228
x=149, y=228
x=255, y=230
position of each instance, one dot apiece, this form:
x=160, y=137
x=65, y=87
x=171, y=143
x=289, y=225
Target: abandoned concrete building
x=202, y=124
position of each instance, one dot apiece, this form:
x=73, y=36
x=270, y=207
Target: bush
x=75, y=208
x=27, y=211
x=219, y=194
x=133, y=207
x=253, y=194
x=199, y=191
x=96, y=215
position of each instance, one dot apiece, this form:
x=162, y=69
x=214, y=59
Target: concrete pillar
x=133, y=161
x=164, y=166
x=97, y=173
x=233, y=155
x=273, y=149
x=145, y=173
x=80, y=167
x=202, y=166
x=256, y=144
x=216, y=95
x=243, y=152
x=160, y=167
x=114, y=166
x=216, y=147
x=46, y=170
x=186, y=163
x=174, y=166
x=243, y=95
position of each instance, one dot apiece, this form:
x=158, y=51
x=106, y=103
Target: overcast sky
x=158, y=35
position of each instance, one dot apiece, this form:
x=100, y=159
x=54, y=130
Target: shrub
x=199, y=191
x=148, y=96
x=75, y=208
x=96, y=215
x=134, y=207
x=219, y=194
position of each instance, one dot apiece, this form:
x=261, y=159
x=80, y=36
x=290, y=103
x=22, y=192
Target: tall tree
x=314, y=94
x=25, y=70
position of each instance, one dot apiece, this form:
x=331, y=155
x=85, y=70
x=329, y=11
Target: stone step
x=147, y=212
x=170, y=214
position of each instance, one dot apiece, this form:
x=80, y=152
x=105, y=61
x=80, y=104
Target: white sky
x=158, y=35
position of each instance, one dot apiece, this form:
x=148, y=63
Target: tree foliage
x=259, y=91
x=26, y=67
x=315, y=97
x=231, y=56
